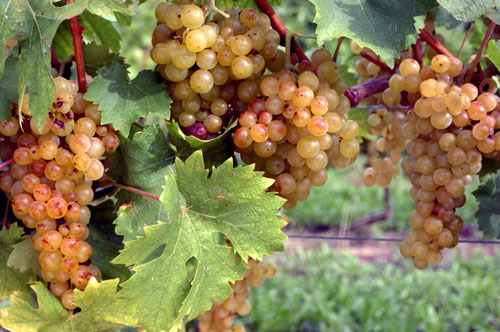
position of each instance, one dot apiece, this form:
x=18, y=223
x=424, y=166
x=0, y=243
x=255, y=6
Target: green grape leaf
x=103, y=253
x=493, y=52
x=145, y=160
x=382, y=26
x=98, y=56
x=33, y=23
x=123, y=101
x=11, y=279
x=107, y=8
x=488, y=167
x=192, y=269
x=471, y=10
x=101, y=310
x=24, y=257
x=444, y=18
x=488, y=214
x=8, y=86
x=98, y=28
x=215, y=151
x=62, y=44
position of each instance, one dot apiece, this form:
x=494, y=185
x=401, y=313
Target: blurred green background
x=326, y=288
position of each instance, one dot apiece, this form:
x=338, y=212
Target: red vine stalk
x=6, y=163
x=432, y=42
x=357, y=93
x=376, y=61
x=76, y=32
x=54, y=61
x=417, y=51
x=132, y=189
x=465, y=38
x=266, y=8
x=486, y=38
x=339, y=42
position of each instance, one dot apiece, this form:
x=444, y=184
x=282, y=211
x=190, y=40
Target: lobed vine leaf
x=33, y=23
x=215, y=151
x=24, y=257
x=471, y=10
x=145, y=159
x=8, y=86
x=488, y=214
x=101, y=310
x=446, y=19
x=383, y=26
x=11, y=279
x=493, y=52
x=98, y=56
x=108, y=8
x=123, y=101
x=189, y=268
x=98, y=28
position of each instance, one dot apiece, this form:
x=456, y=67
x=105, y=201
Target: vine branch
x=376, y=61
x=131, y=189
x=432, y=42
x=477, y=59
x=374, y=217
x=465, y=38
x=337, y=49
x=76, y=32
x=6, y=163
x=358, y=92
x=266, y=8
x=54, y=61
x=417, y=51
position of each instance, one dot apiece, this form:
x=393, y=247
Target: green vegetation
x=330, y=291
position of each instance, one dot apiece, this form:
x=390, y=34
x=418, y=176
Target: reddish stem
x=376, y=61
x=54, y=61
x=465, y=38
x=339, y=42
x=76, y=32
x=432, y=42
x=6, y=163
x=366, y=89
x=486, y=38
x=417, y=51
x=132, y=189
x=266, y=8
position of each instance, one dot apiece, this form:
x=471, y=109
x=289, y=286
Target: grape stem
x=213, y=7
x=131, y=189
x=4, y=222
x=337, y=49
x=266, y=8
x=376, y=84
x=417, y=51
x=6, y=163
x=54, y=61
x=433, y=43
x=477, y=59
x=376, y=61
x=76, y=32
x=465, y=38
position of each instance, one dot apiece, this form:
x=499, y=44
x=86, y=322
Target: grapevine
x=152, y=201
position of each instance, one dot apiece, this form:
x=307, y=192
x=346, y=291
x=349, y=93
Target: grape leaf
x=34, y=23
x=488, y=214
x=24, y=257
x=493, y=52
x=145, y=160
x=98, y=28
x=107, y=8
x=62, y=44
x=361, y=117
x=11, y=279
x=102, y=310
x=444, y=18
x=8, y=86
x=98, y=56
x=232, y=202
x=471, y=10
x=380, y=25
x=123, y=101
x=215, y=151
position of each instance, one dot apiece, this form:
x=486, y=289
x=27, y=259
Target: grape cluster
x=220, y=317
x=450, y=129
x=297, y=125
x=50, y=183
x=213, y=65
x=363, y=67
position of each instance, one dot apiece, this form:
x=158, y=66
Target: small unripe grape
x=440, y=63
x=192, y=17
x=308, y=146
x=285, y=183
x=259, y=132
x=408, y=67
